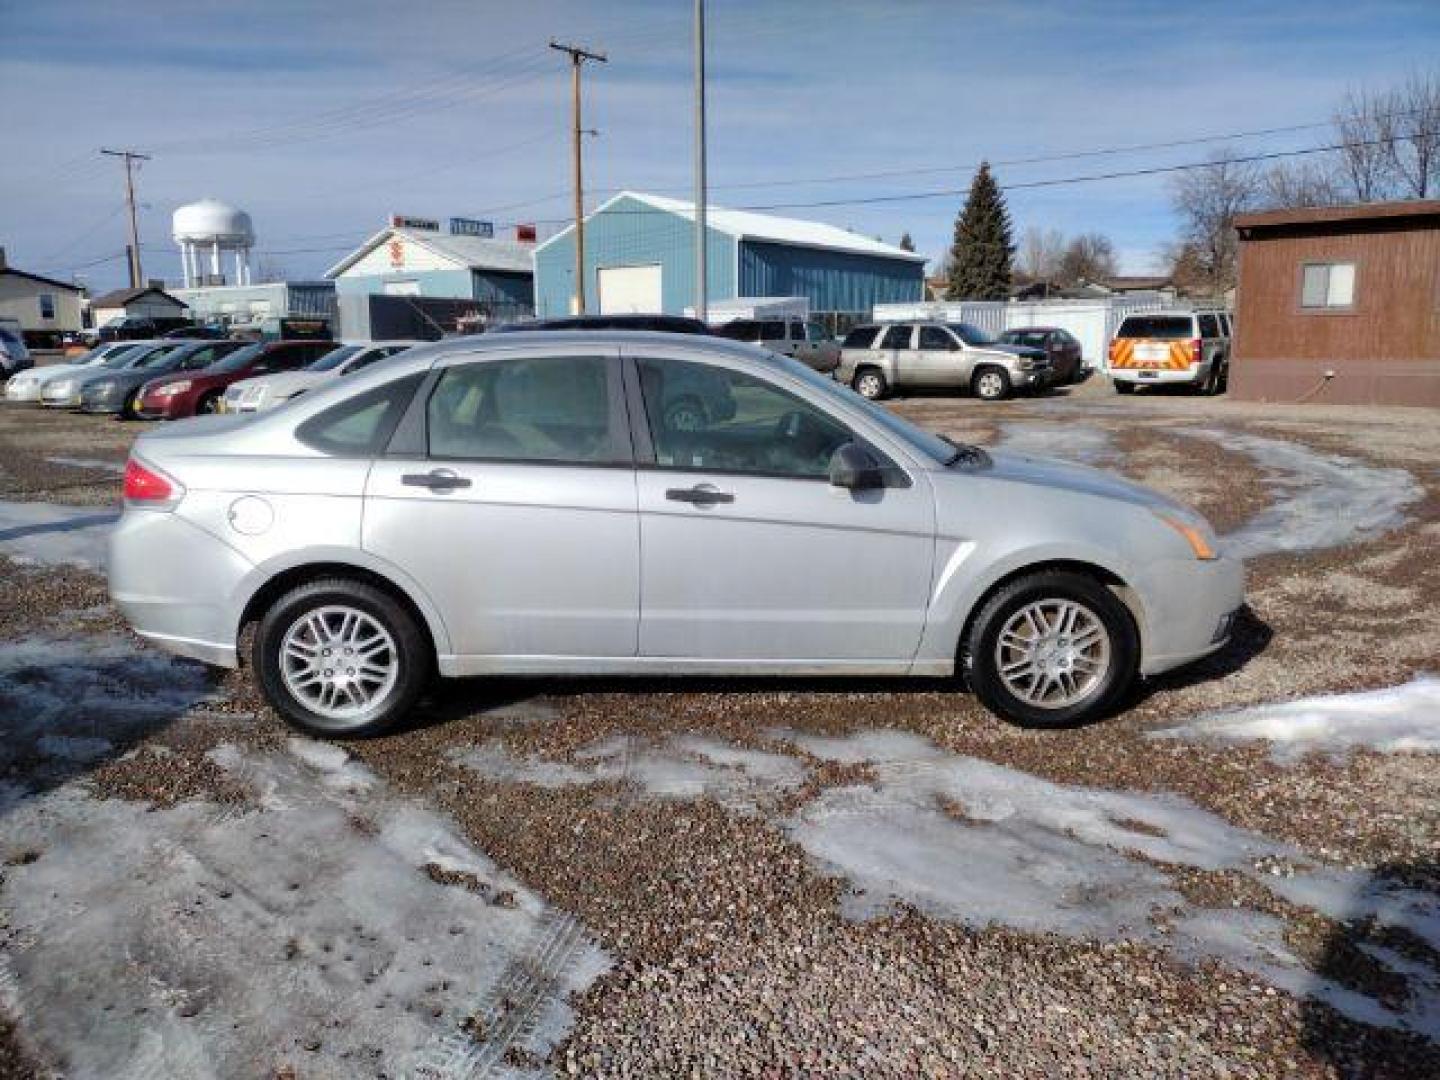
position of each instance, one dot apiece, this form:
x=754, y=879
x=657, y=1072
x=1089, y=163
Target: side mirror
x=854, y=468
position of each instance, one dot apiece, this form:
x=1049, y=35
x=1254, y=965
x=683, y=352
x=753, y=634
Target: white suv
x=1169, y=348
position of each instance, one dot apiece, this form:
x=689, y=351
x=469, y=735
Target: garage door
x=626, y=289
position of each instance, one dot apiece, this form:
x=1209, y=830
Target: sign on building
x=463, y=226
x=401, y=221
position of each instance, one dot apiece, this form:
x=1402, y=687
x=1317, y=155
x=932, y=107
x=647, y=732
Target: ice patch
x=1063, y=441
x=980, y=843
x=117, y=468
x=51, y=535
x=305, y=935
x=1324, y=500
x=1395, y=719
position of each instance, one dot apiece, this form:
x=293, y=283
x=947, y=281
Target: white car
x=269, y=391
x=28, y=385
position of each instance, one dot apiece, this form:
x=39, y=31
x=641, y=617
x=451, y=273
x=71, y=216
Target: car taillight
x=147, y=487
x=1195, y=351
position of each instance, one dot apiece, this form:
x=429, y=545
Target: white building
x=44, y=308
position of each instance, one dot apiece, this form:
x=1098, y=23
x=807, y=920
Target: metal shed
x=639, y=256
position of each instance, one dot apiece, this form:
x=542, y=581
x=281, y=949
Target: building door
x=625, y=290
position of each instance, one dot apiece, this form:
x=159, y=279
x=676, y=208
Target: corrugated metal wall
x=834, y=281
x=632, y=233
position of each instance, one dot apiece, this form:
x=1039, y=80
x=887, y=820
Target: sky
x=323, y=117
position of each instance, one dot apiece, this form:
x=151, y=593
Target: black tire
x=412, y=652
x=982, y=664
x=870, y=383
x=991, y=383
x=1124, y=387
x=208, y=402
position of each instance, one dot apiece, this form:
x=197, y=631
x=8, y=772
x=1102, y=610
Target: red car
x=194, y=392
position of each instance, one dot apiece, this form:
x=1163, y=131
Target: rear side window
x=1165, y=327
x=797, y=331
x=1209, y=326
x=860, y=337
x=553, y=410
x=360, y=426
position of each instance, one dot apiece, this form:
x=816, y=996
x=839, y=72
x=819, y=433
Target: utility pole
x=701, y=286
x=578, y=56
x=131, y=156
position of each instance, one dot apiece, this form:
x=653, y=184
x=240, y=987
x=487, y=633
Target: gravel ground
x=733, y=952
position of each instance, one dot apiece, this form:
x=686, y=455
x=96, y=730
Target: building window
x=47, y=305
x=1327, y=285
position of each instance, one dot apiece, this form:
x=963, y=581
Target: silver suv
x=501, y=505
x=878, y=359
x=803, y=340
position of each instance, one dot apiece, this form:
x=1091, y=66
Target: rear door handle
x=436, y=480
x=700, y=495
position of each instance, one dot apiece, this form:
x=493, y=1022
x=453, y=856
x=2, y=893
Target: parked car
x=64, y=392
x=876, y=359
x=140, y=327
x=14, y=355
x=664, y=324
x=28, y=385
x=1172, y=348
x=269, y=391
x=1067, y=363
x=803, y=340
x=493, y=506
x=176, y=396
x=118, y=391
x=199, y=333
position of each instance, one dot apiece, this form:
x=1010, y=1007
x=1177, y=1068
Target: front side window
x=860, y=338
x=718, y=420
x=1327, y=285
x=936, y=339
x=1209, y=326
x=814, y=333
x=554, y=410
x=897, y=337
x=797, y=331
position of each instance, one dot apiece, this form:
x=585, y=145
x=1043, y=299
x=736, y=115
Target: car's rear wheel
x=208, y=403
x=991, y=384
x=340, y=659
x=870, y=383
x=1052, y=649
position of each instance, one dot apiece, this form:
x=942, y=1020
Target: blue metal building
x=396, y=261
x=640, y=256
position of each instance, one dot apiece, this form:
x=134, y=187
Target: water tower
x=207, y=231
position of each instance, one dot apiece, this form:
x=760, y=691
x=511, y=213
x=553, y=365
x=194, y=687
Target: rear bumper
x=1192, y=375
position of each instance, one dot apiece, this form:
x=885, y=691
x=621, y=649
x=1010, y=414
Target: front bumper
x=161, y=408
x=1189, y=609
x=106, y=400
x=52, y=400
x=26, y=391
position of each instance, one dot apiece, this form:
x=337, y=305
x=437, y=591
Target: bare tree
x=1365, y=125
x=1040, y=253
x=1307, y=182
x=1087, y=257
x=1207, y=200
x=1415, y=125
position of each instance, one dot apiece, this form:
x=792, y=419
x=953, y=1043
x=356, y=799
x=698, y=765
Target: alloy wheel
x=1053, y=653
x=338, y=661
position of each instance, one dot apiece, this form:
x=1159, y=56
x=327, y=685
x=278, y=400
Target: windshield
x=122, y=358
x=1034, y=338
x=924, y=443
x=155, y=357
x=970, y=334
x=238, y=360
x=334, y=358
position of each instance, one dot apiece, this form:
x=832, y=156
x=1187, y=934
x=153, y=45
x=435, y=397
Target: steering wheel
x=794, y=424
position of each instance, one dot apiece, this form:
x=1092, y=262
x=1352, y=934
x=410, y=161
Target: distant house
x=402, y=261
x=44, y=308
x=1339, y=304
x=146, y=302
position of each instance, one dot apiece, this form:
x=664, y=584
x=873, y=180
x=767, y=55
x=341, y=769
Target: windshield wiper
x=965, y=454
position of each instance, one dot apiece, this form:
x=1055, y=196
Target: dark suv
x=140, y=327
x=665, y=324
x=1067, y=365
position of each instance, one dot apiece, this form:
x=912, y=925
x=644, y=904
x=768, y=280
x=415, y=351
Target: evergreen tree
x=906, y=243
x=980, y=255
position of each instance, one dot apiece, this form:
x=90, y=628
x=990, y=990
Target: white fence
x=1092, y=321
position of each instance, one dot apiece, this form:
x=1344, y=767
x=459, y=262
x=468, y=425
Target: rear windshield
x=860, y=337
x=334, y=358
x=1166, y=327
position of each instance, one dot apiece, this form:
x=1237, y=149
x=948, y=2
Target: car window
x=361, y=362
x=711, y=418
x=860, y=338
x=360, y=426
x=772, y=330
x=740, y=330
x=1165, y=327
x=541, y=409
x=797, y=331
x=814, y=333
x=1209, y=326
x=933, y=337
x=156, y=358
x=897, y=337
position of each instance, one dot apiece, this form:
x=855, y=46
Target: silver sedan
x=640, y=503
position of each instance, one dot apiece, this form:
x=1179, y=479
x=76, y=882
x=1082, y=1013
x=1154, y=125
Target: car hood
x=285, y=383
x=1066, y=476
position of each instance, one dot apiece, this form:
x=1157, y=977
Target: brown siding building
x=1348, y=290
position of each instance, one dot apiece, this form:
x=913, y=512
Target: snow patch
x=1324, y=500
x=1063, y=441
x=89, y=463
x=52, y=535
x=306, y=933
x=1394, y=719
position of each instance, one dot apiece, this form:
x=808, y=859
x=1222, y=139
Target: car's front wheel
x=1052, y=649
x=870, y=383
x=340, y=658
x=991, y=384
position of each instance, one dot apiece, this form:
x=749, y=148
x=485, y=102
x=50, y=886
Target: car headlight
x=61, y=388
x=1194, y=529
x=171, y=389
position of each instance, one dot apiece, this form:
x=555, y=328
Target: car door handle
x=436, y=480
x=700, y=495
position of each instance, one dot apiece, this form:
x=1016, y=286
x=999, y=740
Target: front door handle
x=700, y=495
x=436, y=480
